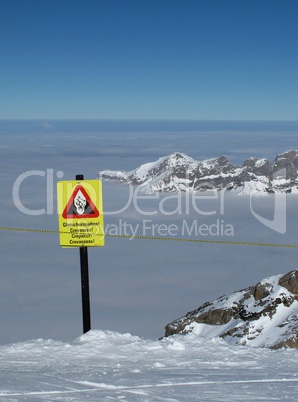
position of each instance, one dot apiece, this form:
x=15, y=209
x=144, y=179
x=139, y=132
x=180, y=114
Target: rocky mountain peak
x=179, y=172
x=177, y=155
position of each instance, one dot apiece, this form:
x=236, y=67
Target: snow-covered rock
x=262, y=315
x=179, y=172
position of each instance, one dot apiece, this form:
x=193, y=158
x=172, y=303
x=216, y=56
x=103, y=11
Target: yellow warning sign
x=80, y=213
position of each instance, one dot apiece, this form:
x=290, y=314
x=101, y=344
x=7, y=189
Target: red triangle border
x=70, y=202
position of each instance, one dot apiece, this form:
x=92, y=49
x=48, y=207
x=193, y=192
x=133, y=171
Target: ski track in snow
x=104, y=365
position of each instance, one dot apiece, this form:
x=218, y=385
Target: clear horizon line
x=146, y=119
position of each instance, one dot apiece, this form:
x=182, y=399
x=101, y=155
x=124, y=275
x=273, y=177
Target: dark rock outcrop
x=262, y=315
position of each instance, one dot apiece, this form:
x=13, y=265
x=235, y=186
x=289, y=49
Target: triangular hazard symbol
x=80, y=205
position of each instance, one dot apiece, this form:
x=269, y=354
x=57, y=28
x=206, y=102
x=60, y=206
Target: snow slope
x=109, y=366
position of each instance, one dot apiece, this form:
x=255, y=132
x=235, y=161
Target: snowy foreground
x=107, y=366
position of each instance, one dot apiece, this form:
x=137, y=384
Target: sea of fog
x=136, y=286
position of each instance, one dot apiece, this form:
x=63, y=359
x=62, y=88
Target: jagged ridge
x=262, y=315
x=179, y=172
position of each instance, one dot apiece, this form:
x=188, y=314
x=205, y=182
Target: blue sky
x=157, y=59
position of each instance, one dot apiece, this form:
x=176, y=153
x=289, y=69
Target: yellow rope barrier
x=179, y=239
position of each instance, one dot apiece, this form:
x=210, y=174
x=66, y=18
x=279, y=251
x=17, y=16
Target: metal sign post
x=85, y=283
